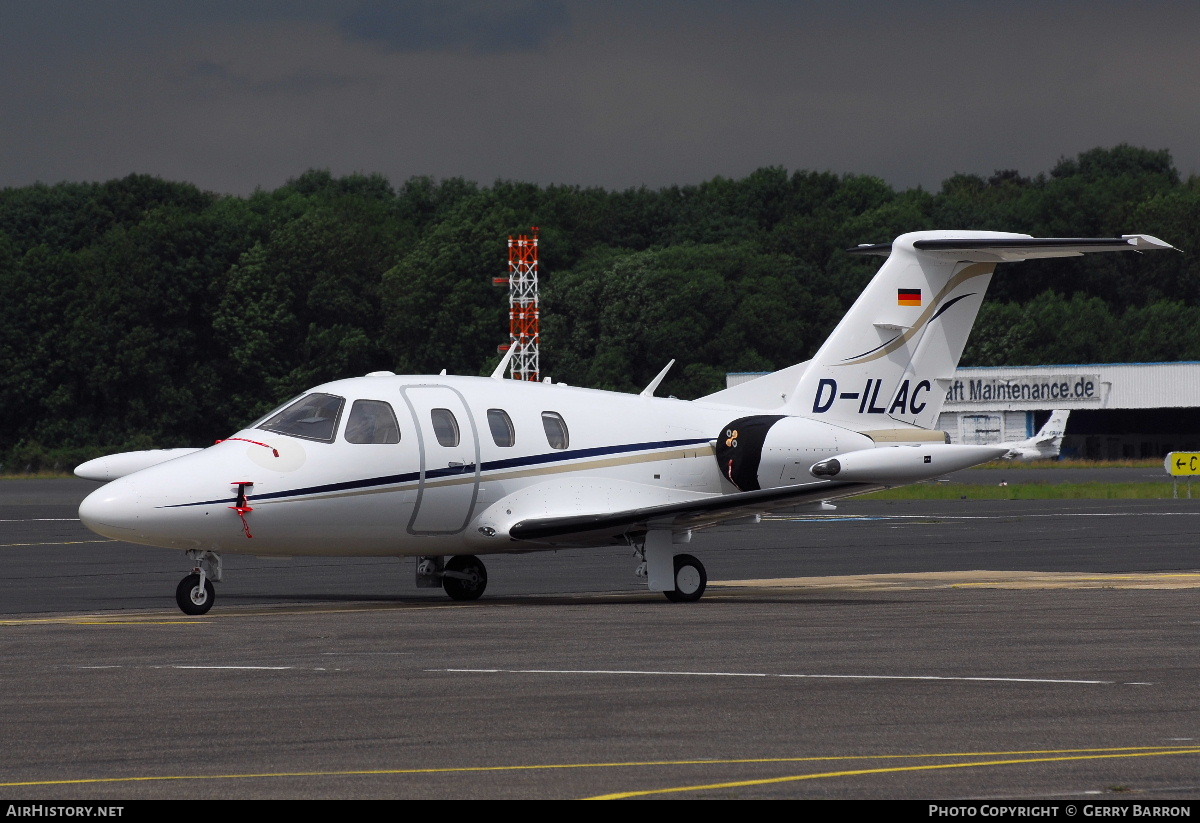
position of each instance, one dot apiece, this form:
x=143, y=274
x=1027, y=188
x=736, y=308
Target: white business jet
x=1045, y=445
x=448, y=468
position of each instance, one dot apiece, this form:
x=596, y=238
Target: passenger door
x=449, y=441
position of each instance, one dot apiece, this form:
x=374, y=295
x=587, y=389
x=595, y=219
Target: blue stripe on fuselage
x=492, y=465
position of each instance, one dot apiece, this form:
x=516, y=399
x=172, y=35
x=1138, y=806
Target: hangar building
x=1118, y=410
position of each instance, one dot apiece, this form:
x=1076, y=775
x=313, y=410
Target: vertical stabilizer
x=893, y=356
x=1051, y=434
x=1044, y=445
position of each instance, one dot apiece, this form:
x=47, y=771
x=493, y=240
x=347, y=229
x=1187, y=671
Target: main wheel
x=690, y=580
x=464, y=577
x=191, y=597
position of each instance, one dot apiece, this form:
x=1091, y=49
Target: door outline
x=418, y=425
x=981, y=428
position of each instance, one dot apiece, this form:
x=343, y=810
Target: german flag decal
x=908, y=297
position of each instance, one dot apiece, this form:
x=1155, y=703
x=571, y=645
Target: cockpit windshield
x=313, y=417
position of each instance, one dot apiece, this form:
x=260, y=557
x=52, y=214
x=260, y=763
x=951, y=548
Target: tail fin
x=892, y=357
x=1051, y=434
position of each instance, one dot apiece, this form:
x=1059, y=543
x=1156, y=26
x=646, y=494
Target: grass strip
x=1033, y=491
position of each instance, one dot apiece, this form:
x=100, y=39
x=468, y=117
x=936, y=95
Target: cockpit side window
x=445, y=427
x=372, y=421
x=312, y=417
x=257, y=424
x=556, y=430
x=502, y=427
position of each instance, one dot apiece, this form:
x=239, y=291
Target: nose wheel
x=194, y=595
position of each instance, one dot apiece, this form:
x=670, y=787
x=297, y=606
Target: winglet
x=649, y=390
x=498, y=374
x=1143, y=242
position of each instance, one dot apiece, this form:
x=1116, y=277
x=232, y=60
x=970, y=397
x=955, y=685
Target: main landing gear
x=690, y=580
x=195, y=594
x=463, y=576
x=680, y=577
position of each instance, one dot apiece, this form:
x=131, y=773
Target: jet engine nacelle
x=112, y=466
x=766, y=451
x=903, y=464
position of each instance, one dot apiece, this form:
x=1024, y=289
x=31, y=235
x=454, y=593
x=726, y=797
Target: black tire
x=460, y=589
x=690, y=580
x=191, y=599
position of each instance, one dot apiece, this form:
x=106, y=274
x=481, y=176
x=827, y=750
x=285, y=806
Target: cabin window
x=312, y=417
x=445, y=427
x=556, y=430
x=502, y=428
x=372, y=421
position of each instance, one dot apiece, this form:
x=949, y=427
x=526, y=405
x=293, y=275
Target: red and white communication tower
x=523, y=312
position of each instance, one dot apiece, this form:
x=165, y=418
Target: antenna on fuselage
x=649, y=390
x=498, y=374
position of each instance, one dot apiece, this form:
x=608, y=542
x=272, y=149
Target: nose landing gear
x=195, y=594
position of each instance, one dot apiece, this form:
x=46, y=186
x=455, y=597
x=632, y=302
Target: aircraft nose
x=177, y=504
x=111, y=510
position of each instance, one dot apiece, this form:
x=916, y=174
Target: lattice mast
x=524, y=316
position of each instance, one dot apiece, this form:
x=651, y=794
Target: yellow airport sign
x=1182, y=464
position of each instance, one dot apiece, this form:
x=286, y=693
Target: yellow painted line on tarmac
x=1064, y=580
x=975, y=579
x=55, y=543
x=134, y=622
x=78, y=620
x=1076, y=754
x=156, y=618
x=739, y=784
x=293, y=611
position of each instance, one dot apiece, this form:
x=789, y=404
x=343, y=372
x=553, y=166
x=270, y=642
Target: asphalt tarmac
x=966, y=649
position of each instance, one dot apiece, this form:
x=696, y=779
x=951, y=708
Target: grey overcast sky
x=234, y=95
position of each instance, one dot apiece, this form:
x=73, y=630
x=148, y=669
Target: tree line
x=145, y=313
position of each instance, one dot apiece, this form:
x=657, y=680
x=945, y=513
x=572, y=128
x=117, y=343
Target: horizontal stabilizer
x=1014, y=248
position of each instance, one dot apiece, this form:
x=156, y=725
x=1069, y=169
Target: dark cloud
x=485, y=26
x=614, y=93
x=215, y=79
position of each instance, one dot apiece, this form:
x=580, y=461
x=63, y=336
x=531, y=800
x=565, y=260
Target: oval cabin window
x=445, y=427
x=556, y=430
x=502, y=428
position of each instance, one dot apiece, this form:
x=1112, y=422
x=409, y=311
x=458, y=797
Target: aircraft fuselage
x=464, y=444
